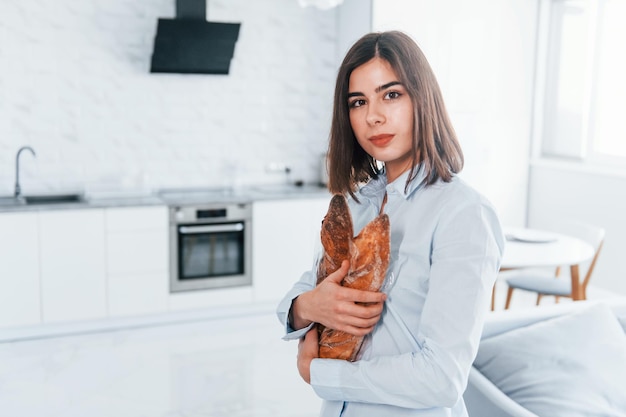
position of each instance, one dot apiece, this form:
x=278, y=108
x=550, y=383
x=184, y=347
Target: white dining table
x=532, y=248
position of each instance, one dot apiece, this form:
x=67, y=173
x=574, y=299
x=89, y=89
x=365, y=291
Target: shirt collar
x=399, y=185
x=375, y=188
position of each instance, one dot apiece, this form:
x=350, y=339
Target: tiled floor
x=233, y=367
x=228, y=367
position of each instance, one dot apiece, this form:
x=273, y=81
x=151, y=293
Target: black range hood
x=191, y=45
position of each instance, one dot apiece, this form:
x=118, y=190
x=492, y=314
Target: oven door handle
x=213, y=228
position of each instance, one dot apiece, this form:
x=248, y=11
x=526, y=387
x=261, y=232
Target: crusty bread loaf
x=368, y=254
x=336, y=236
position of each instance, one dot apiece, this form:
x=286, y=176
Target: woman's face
x=381, y=115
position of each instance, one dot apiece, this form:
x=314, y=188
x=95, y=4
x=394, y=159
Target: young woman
x=393, y=150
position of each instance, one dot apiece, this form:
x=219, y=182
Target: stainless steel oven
x=210, y=246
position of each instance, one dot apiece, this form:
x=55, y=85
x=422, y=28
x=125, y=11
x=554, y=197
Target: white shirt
x=446, y=246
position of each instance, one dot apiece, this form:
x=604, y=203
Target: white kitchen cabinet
x=19, y=269
x=215, y=298
x=285, y=241
x=137, y=260
x=72, y=262
x=70, y=265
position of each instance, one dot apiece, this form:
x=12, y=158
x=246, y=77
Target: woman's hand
x=336, y=307
x=307, y=351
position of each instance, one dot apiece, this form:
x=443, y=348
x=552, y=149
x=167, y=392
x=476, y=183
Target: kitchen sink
x=53, y=198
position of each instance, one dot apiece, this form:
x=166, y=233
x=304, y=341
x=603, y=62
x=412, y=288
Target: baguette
x=368, y=254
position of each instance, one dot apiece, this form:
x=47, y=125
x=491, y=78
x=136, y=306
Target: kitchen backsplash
x=75, y=85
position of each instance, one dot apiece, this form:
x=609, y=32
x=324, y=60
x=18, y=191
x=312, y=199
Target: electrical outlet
x=277, y=167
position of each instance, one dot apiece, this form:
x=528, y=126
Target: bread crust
x=336, y=235
x=368, y=254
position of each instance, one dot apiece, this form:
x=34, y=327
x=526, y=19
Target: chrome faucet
x=18, y=189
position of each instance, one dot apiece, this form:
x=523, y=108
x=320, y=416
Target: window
x=584, y=102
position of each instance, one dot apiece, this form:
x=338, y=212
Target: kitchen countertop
x=172, y=197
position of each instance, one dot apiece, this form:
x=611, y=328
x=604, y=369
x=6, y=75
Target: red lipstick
x=381, y=140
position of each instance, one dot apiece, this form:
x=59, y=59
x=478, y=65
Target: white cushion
x=572, y=365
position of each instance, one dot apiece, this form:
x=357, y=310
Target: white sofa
x=560, y=360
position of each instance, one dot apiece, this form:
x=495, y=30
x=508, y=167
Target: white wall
x=483, y=53
x=75, y=85
x=354, y=20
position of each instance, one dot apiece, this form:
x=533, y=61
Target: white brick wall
x=75, y=85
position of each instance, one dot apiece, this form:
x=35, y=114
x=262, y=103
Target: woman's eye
x=356, y=103
x=392, y=95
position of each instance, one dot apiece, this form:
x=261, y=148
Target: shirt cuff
x=291, y=334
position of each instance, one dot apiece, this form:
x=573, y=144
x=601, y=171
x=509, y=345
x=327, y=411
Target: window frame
x=580, y=148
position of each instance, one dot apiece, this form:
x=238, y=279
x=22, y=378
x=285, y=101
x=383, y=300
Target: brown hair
x=434, y=139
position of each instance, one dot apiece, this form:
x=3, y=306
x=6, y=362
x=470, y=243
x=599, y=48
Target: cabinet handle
x=215, y=228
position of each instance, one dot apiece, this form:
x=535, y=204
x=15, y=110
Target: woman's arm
x=336, y=307
x=330, y=304
x=308, y=349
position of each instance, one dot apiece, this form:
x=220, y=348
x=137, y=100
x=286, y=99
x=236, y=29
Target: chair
x=544, y=283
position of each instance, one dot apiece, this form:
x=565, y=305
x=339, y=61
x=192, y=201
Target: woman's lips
x=381, y=140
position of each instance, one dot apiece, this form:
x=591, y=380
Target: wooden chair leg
x=509, y=295
x=556, y=299
x=539, y=298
